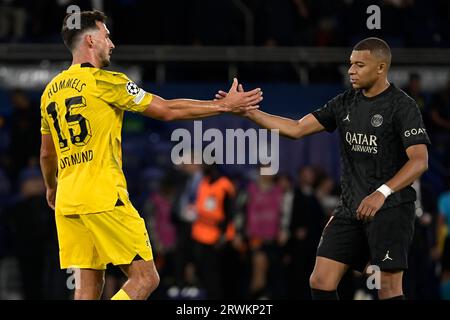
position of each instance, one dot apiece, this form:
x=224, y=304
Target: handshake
x=238, y=101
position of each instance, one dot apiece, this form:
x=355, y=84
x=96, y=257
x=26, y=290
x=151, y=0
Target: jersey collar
x=86, y=65
x=381, y=94
x=82, y=65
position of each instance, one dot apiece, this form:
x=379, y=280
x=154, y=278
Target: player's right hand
x=222, y=94
x=51, y=195
x=237, y=100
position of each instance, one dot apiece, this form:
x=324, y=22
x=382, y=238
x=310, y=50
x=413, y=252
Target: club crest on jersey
x=132, y=88
x=377, y=120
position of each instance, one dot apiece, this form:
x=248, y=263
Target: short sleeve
x=45, y=128
x=409, y=124
x=118, y=90
x=326, y=115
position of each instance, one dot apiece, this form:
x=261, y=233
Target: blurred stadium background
x=297, y=51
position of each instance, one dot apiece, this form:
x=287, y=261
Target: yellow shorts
x=91, y=241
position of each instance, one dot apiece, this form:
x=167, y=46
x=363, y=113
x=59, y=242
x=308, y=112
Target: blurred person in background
x=327, y=194
x=159, y=217
x=414, y=90
x=421, y=281
x=444, y=240
x=284, y=181
x=13, y=19
x=35, y=242
x=184, y=213
x=306, y=226
x=24, y=123
x=263, y=228
x=212, y=228
x=440, y=124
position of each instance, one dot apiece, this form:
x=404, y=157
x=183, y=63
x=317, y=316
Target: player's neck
x=78, y=58
x=376, y=89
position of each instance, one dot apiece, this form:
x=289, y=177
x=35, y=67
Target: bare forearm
x=287, y=127
x=184, y=109
x=290, y=128
x=412, y=170
x=49, y=166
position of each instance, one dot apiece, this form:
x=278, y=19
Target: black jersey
x=374, y=135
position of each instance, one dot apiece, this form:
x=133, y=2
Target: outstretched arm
x=294, y=129
x=290, y=128
x=183, y=109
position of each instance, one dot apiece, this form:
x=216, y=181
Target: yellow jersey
x=82, y=108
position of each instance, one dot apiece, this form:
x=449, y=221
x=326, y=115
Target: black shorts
x=383, y=241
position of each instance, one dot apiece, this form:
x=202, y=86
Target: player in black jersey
x=383, y=150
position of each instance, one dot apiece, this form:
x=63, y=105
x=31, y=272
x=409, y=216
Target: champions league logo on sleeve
x=134, y=90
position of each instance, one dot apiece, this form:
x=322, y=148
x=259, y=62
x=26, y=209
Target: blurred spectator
x=158, y=214
x=272, y=22
x=307, y=222
x=25, y=128
x=440, y=110
x=304, y=23
x=284, y=181
x=45, y=18
x=440, y=124
x=414, y=90
x=215, y=23
x=5, y=190
x=35, y=241
x=184, y=214
x=13, y=18
x=444, y=235
x=212, y=228
x=235, y=252
x=4, y=141
x=327, y=194
x=327, y=15
x=421, y=281
x=265, y=236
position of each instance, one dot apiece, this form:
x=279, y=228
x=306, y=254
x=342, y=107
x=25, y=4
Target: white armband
x=385, y=190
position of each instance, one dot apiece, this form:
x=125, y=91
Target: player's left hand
x=222, y=94
x=370, y=205
x=51, y=195
x=237, y=101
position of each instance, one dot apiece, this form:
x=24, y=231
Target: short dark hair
x=377, y=47
x=87, y=21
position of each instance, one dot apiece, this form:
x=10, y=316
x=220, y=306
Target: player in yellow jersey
x=82, y=111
